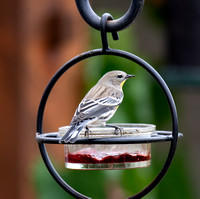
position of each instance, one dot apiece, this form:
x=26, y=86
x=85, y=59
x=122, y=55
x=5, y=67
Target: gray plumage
x=98, y=105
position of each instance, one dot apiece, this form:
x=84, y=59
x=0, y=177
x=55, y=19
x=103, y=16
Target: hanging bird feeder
x=104, y=149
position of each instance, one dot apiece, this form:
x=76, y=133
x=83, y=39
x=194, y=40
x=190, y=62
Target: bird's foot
x=87, y=132
x=117, y=129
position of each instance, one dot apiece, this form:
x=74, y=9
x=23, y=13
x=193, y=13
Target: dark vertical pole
x=184, y=32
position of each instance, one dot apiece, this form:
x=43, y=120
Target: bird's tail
x=73, y=132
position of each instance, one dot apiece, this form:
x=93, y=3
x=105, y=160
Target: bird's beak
x=129, y=76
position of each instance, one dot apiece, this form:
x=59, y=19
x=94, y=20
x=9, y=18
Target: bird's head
x=116, y=78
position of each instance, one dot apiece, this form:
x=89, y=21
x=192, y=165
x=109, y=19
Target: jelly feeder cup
x=110, y=156
x=104, y=148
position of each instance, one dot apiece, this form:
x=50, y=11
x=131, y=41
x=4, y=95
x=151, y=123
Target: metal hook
x=104, y=19
x=115, y=25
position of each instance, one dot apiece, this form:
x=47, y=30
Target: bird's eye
x=119, y=76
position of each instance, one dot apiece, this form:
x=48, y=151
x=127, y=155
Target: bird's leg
x=87, y=131
x=137, y=131
x=117, y=129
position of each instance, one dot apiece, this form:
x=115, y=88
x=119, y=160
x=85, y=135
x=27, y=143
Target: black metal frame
x=115, y=25
x=148, y=68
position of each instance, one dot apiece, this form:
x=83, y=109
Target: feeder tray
x=104, y=149
x=110, y=156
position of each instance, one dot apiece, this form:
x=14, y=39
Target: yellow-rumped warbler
x=98, y=105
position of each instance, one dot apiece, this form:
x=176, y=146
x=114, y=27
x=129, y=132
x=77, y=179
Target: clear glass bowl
x=109, y=156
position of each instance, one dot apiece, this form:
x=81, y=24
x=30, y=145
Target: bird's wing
x=87, y=106
x=89, y=109
x=109, y=101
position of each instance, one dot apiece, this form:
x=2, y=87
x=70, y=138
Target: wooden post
x=37, y=37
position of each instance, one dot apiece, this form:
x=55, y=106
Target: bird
x=98, y=105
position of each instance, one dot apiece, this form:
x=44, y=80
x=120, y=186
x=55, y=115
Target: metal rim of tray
x=158, y=136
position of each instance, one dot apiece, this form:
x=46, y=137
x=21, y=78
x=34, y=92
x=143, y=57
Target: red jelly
x=92, y=157
x=110, y=156
x=122, y=158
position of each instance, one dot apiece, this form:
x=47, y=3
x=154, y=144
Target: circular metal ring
x=115, y=25
x=159, y=80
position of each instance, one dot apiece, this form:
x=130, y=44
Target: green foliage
x=176, y=183
x=45, y=186
x=90, y=183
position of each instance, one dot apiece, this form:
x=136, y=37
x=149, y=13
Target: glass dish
x=109, y=156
